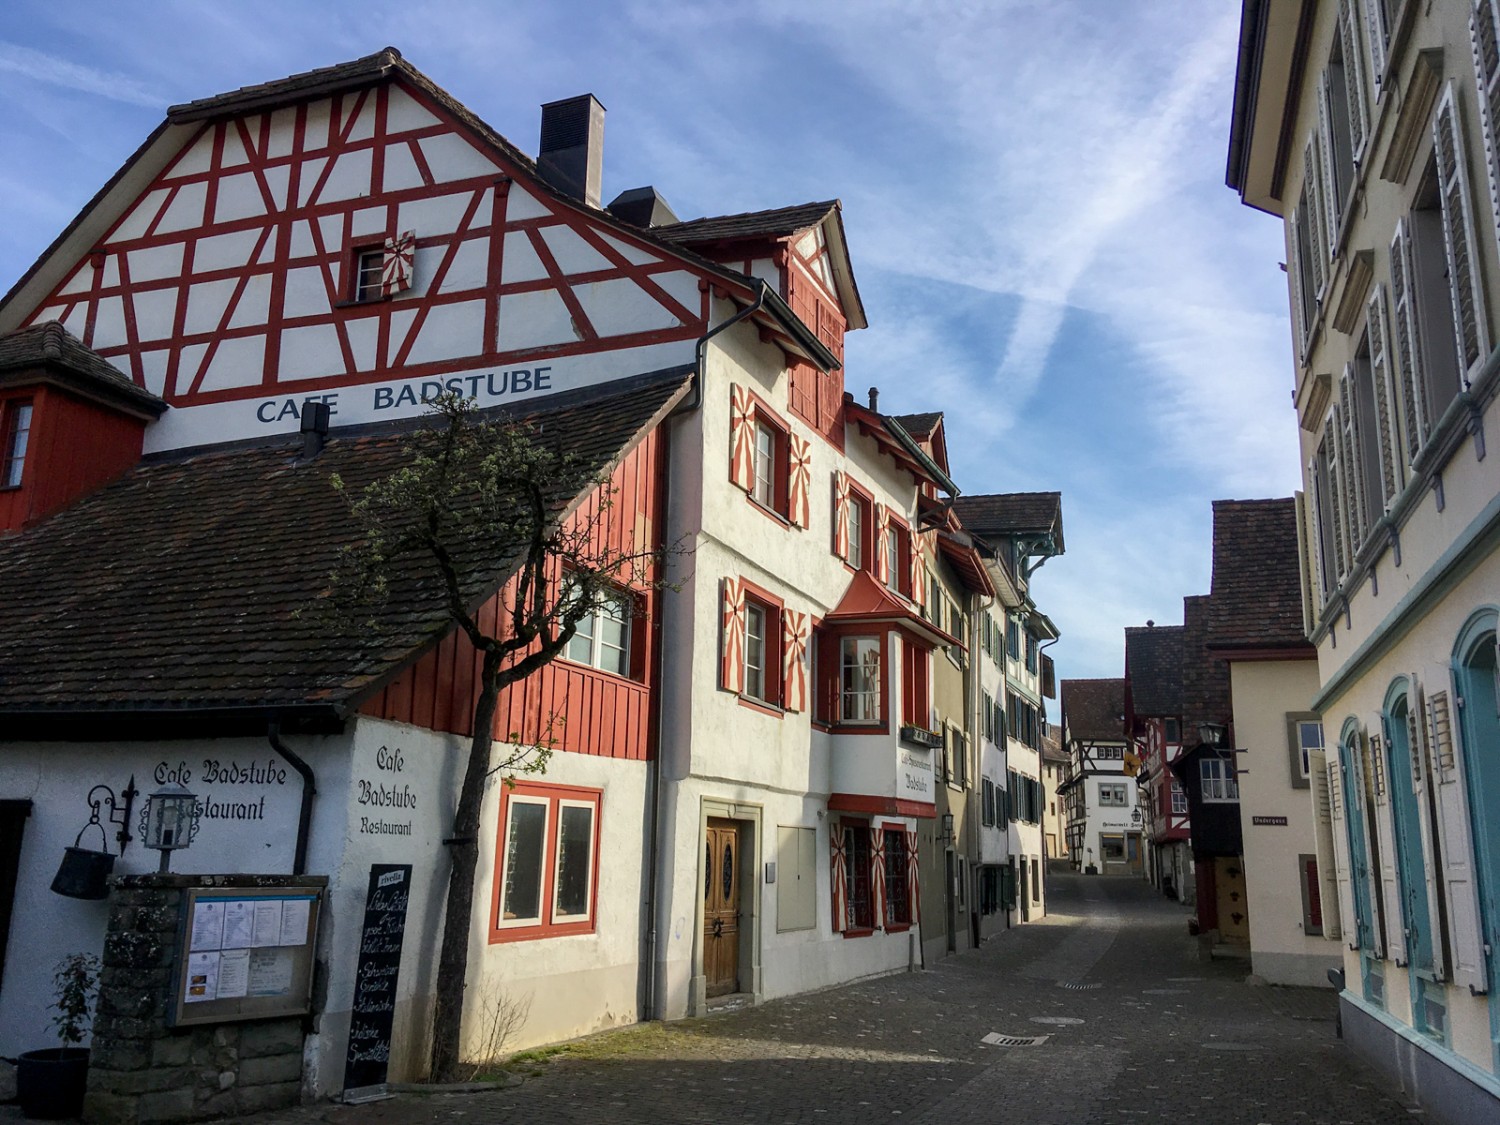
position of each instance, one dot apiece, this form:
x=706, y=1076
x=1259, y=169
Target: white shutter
x=1416, y=777
x=1312, y=204
x=1385, y=834
x=1323, y=836
x=1456, y=845
x=1335, y=498
x=1367, y=870
x=1301, y=320
x=1354, y=80
x=1351, y=455
x=1316, y=501
x=1305, y=559
x=1333, y=191
x=1484, y=39
x=1469, y=321
x=1376, y=33
x=1378, y=329
x=1410, y=377
x=1348, y=927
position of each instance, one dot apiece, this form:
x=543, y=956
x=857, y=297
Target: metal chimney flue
x=874, y=400
x=315, y=419
x=570, y=156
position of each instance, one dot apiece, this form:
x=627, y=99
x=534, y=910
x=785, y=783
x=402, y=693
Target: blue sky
x=1033, y=194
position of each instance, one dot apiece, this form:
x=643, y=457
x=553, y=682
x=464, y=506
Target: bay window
x=1218, y=780
x=859, y=680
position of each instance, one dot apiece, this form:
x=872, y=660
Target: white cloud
x=53, y=71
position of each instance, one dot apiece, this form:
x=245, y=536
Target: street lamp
x=1211, y=734
x=946, y=835
x=170, y=821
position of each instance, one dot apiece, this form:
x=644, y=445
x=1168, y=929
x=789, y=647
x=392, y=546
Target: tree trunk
x=453, y=957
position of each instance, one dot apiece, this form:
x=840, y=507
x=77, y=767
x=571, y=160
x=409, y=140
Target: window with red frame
x=546, y=875
x=860, y=675
x=897, y=890
x=898, y=559
x=771, y=471
x=857, y=874
x=861, y=556
x=916, y=708
x=369, y=267
x=15, y=426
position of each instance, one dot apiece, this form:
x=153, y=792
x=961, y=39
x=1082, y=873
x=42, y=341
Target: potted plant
x=50, y=1082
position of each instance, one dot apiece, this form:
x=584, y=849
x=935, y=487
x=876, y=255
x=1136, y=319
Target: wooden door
x=721, y=907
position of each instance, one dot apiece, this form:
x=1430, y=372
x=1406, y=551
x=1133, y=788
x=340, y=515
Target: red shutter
x=741, y=438
x=396, y=269
x=882, y=544
x=913, y=879
x=794, y=633
x=877, y=877
x=839, y=881
x=918, y=570
x=799, y=479
x=732, y=627
x=841, y=514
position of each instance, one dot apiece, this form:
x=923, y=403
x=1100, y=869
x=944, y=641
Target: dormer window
x=15, y=423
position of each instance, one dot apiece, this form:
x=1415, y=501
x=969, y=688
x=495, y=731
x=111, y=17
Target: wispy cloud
x=53, y=71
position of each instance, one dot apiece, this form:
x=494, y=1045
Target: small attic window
x=15, y=424
x=368, y=267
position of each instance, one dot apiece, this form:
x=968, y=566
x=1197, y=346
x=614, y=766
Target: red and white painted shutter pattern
x=918, y=570
x=913, y=878
x=841, y=514
x=882, y=543
x=732, y=627
x=395, y=270
x=877, y=876
x=799, y=479
x=838, y=879
x=794, y=634
x=741, y=438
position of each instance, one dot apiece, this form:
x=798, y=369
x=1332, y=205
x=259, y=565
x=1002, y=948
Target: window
x=859, y=680
x=916, y=707
x=1304, y=733
x=546, y=878
x=1219, y=784
x=1179, y=798
x=1173, y=733
x=859, y=532
x=898, y=559
x=755, y=650
x=897, y=889
x=16, y=419
x=603, y=637
x=987, y=806
x=1312, y=895
x=773, y=465
x=857, y=875
x=1112, y=794
x=1031, y=651
x=765, y=465
x=369, y=265
x=1013, y=639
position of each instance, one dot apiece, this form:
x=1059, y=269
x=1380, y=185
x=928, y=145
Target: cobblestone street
x=1138, y=1030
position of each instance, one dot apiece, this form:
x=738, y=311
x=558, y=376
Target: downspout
x=309, y=791
x=1046, y=868
x=653, y=870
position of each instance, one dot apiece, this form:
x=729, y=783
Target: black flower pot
x=50, y=1082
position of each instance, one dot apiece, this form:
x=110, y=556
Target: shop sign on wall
x=385, y=800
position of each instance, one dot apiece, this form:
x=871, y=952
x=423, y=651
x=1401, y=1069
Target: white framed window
x=1113, y=795
x=859, y=509
x=755, y=650
x=859, y=680
x=1304, y=737
x=16, y=420
x=603, y=638
x=765, y=465
x=546, y=875
x=572, y=887
x=1179, y=798
x=524, y=858
x=369, y=267
x=1218, y=780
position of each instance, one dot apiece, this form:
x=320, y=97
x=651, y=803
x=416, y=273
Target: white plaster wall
x=1263, y=693
x=567, y=986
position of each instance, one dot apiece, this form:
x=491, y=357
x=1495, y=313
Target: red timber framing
x=815, y=396
x=231, y=275
x=569, y=706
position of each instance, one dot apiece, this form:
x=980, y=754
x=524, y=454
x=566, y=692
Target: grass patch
x=646, y=1040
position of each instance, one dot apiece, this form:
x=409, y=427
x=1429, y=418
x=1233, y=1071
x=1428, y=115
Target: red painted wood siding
x=74, y=447
x=815, y=397
x=588, y=711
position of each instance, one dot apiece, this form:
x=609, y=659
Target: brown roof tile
x=52, y=347
x=919, y=426
x=1153, y=667
x=1257, y=580
x=776, y=222
x=364, y=71
x=1205, y=678
x=1094, y=709
x=193, y=582
x=1012, y=513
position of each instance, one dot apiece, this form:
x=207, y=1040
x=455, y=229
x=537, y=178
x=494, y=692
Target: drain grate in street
x=1079, y=986
x=995, y=1039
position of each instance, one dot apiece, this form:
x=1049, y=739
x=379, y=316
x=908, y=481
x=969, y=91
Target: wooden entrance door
x=721, y=907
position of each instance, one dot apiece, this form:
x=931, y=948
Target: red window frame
x=861, y=908
x=900, y=537
x=10, y=422
x=866, y=502
x=828, y=680
x=772, y=607
x=897, y=889
x=916, y=683
x=554, y=797
x=761, y=414
x=636, y=641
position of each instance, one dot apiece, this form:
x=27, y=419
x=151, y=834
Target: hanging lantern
x=171, y=820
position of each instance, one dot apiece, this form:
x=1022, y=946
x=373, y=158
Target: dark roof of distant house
x=50, y=346
x=919, y=425
x=774, y=222
x=1052, y=747
x=1013, y=513
x=1094, y=710
x=1205, y=678
x=1257, y=579
x=194, y=583
x=1153, y=665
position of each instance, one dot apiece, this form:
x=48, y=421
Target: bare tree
x=475, y=493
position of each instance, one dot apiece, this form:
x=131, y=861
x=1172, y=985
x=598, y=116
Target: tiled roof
x=194, y=583
x=1052, y=747
x=1257, y=582
x=1153, y=665
x=1013, y=513
x=919, y=425
x=1094, y=710
x=51, y=346
x=364, y=71
x=777, y=222
x=1205, y=678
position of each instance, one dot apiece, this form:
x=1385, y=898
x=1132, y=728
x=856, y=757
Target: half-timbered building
x=1106, y=825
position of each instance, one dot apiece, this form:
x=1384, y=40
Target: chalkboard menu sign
x=374, y=1007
